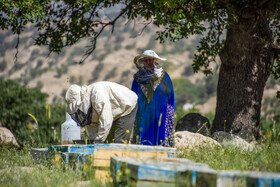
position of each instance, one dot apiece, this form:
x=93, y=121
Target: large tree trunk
x=247, y=61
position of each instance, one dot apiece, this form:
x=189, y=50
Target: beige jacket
x=109, y=100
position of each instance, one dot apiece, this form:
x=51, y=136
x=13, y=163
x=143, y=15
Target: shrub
x=62, y=70
x=271, y=108
x=211, y=82
x=96, y=72
x=108, y=47
x=17, y=101
x=185, y=90
x=119, y=38
x=117, y=47
x=131, y=46
x=72, y=79
x=188, y=71
x=34, y=54
x=39, y=85
x=3, y=65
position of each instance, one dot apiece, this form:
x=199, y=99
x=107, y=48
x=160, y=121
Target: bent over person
x=107, y=110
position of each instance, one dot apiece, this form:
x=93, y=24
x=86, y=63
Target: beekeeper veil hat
x=77, y=97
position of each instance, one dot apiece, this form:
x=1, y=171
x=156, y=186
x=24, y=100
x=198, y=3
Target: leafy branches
x=69, y=21
x=63, y=23
x=15, y=15
x=197, y=17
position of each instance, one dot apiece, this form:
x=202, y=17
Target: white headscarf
x=157, y=69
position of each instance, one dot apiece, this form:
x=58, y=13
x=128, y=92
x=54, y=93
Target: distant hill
x=111, y=61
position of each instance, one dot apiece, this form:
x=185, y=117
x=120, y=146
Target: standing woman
x=155, y=114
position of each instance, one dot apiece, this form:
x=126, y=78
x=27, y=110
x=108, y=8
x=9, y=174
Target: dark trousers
x=122, y=128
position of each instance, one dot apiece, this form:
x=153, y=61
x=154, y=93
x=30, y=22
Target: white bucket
x=70, y=131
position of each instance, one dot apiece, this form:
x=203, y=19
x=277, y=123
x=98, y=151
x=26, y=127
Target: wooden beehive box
x=100, y=154
x=133, y=171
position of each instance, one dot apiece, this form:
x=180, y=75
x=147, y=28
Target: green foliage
x=270, y=130
x=179, y=20
x=49, y=124
x=25, y=80
x=271, y=108
x=179, y=114
x=262, y=158
x=210, y=116
x=11, y=157
x=19, y=13
x=185, y=90
x=18, y=169
x=17, y=101
x=64, y=24
x=40, y=85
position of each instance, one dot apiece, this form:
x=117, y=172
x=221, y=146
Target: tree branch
x=92, y=47
x=142, y=30
x=17, y=44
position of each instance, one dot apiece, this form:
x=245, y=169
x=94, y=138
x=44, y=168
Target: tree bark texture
x=247, y=61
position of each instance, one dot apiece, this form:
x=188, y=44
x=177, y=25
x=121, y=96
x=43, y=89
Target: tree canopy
x=63, y=23
x=243, y=33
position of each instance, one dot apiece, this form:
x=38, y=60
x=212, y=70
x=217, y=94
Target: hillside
x=111, y=61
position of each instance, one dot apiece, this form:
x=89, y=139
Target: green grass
x=18, y=169
x=264, y=157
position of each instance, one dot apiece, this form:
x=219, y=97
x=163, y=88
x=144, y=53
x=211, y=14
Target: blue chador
x=155, y=115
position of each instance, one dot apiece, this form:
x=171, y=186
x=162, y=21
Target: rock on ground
x=228, y=139
x=193, y=122
x=7, y=137
x=186, y=139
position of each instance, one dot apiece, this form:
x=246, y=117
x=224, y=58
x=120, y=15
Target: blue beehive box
x=103, y=152
x=100, y=154
x=133, y=171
